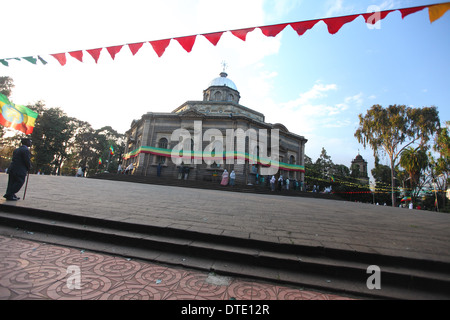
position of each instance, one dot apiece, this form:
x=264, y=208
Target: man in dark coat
x=18, y=169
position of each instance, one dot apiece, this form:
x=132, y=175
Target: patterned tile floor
x=32, y=270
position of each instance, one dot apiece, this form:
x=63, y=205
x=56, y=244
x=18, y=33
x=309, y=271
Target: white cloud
x=389, y=4
x=337, y=8
x=316, y=92
x=358, y=99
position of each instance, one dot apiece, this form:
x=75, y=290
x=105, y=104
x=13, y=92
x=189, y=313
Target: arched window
x=218, y=96
x=162, y=143
x=292, y=160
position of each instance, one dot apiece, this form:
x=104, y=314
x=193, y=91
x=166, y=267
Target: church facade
x=200, y=139
x=360, y=166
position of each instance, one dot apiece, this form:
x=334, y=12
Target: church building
x=200, y=139
x=360, y=166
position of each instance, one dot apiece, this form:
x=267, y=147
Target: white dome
x=223, y=81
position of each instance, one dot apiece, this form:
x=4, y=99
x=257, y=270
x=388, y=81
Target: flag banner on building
x=198, y=155
x=16, y=116
x=334, y=24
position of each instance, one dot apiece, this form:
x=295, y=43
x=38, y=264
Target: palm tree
x=414, y=161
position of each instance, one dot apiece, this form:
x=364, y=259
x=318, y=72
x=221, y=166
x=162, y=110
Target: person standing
x=18, y=169
x=158, y=170
x=232, y=177
x=272, y=183
x=224, y=178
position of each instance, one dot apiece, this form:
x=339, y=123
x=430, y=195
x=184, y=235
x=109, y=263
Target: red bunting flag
x=77, y=55
x=114, y=50
x=95, y=53
x=272, y=31
x=335, y=24
x=374, y=17
x=160, y=46
x=303, y=26
x=61, y=57
x=213, y=37
x=407, y=11
x=135, y=47
x=242, y=33
x=187, y=42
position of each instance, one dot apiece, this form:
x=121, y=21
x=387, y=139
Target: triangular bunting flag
x=187, y=42
x=114, y=50
x=33, y=60
x=303, y=26
x=95, y=53
x=77, y=55
x=160, y=46
x=242, y=33
x=406, y=12
x=213, y=37
x=134, y=47
x=374, y=17
x=272, y=31
x=335, y=24
x=61, y=57
x=437, y=11
x=42, y=60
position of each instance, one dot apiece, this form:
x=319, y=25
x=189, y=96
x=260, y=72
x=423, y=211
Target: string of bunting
x=334, y=24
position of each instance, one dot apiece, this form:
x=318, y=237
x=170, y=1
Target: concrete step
x=331, y=270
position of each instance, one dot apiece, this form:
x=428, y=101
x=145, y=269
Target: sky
x=316, y=84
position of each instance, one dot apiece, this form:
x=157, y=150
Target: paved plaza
x=306, y=221
x=302, y=221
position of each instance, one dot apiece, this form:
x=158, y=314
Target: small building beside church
x=206, y=127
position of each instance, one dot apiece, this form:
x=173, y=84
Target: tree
x=440, y=167
x=51, y=137
x=395, y=128
x=382, y=175
x=414, y=161
x=107, y=137
x=324, y=163
x=6, y=86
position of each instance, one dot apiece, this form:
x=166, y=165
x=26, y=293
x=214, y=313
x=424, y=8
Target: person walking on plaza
x=224, y=178
x=232, y=177
x=280, y=183
x=80, y=172
x=18, y=170
x=272, y=183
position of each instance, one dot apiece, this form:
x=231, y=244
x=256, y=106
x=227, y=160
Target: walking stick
x=26, y=186
x=28, y=173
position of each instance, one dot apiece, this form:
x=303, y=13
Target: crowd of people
x=275, y=184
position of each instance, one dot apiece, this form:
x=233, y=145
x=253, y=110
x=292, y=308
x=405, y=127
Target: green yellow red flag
x=16, y=116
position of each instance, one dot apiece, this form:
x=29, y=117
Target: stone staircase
x=329, y=270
